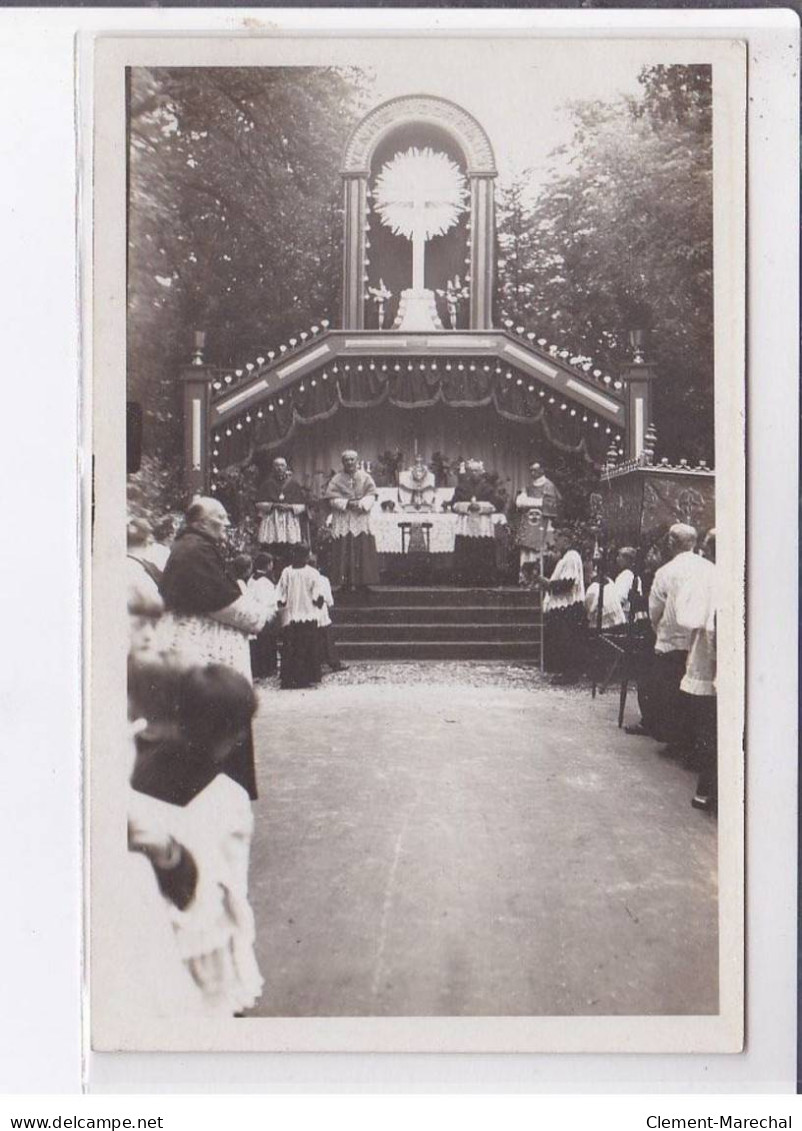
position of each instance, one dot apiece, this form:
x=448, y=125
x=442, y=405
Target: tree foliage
x=235, y=218
x=624, y=239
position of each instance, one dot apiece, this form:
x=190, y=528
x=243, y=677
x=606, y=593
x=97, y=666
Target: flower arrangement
x=387, y=465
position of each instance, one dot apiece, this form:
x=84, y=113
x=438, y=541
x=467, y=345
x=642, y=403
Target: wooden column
x=640, y=409
x=483, y=251
x=197, y=384
x=355, y=190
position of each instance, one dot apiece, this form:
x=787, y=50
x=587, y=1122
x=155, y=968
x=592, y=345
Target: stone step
x=417, y=597
x=436, y=614
x=440, y=650
x=510, y=632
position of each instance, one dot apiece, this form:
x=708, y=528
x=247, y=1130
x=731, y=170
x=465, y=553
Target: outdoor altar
x=417, y=355
x=417, y=546
x=400, y=531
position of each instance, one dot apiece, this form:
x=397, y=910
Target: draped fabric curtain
x=285, y=417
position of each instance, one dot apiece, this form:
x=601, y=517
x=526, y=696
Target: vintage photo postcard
x=415, y=615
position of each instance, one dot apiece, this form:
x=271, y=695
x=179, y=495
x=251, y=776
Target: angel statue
x=454, y=293
x=381, y=296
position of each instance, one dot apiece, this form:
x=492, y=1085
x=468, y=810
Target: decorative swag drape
x=318, y=398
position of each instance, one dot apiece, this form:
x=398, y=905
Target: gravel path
x=463, y=839
x=444, y=673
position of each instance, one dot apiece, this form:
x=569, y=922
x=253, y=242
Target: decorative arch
x=462, y=126
x=481, y=170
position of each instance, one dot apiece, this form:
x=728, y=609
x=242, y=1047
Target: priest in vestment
x=564, y=612
x=537, y=505
x=475, y=501
x=208, y=619
x=351, y=493
x=281, y=504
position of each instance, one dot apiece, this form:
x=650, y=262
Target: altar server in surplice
x=264, y=645
x=564, y=612
x=300, y=597
x=326, y=642
x=351, y=493
x=193, y=719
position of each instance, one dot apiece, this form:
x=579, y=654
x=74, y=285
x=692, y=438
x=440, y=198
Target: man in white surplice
x=351, y=494
x=281, y=504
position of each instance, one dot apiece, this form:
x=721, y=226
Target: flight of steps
x=397, y=623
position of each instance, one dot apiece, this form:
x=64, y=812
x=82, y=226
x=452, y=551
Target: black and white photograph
x=417, y=680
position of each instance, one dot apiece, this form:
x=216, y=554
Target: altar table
x=385, y=528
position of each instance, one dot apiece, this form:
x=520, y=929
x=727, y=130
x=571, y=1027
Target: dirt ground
x=463, y=839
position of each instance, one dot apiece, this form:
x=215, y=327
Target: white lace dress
x=220, y=638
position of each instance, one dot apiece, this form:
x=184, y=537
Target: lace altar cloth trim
x=385, y=529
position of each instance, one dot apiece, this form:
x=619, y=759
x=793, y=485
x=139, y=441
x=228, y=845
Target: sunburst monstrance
x=419, y=194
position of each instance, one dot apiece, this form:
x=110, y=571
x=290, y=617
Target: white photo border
x=111, y=1025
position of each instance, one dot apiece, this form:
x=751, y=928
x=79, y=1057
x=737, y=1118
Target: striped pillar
x=197, y=384
x=640, y=409
x=355, y=204
x=483, y=250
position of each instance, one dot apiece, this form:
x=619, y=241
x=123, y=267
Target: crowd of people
x=204, y=626
x=192, y=773
x=664, y=619
x=677, y=683
x=201, y=628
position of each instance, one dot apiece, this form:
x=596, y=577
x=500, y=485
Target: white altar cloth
x=385, y=528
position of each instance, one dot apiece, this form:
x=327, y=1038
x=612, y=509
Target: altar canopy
x=418, y=174
x=417, y=365
x=461, y=407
